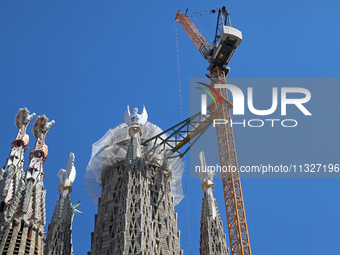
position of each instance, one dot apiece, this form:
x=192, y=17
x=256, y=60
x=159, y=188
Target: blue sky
x=82, y=62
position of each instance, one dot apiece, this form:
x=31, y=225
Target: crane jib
x=195, y=35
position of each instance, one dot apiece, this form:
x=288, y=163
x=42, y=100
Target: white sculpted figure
x=204, y=173
x=139, y=119
x=67, y=176
x=206, y=177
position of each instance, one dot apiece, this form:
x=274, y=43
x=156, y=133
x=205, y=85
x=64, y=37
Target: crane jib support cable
x=181, y=104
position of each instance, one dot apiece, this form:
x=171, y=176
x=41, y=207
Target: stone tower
x=59, y=236
x=136, y=208
x=22, y=206
x=213, y=240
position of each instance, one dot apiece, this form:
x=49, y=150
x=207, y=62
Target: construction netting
x=112, y=148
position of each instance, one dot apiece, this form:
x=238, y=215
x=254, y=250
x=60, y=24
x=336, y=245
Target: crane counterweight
x=221, y=53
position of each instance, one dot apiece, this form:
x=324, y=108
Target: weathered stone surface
x=136, y=211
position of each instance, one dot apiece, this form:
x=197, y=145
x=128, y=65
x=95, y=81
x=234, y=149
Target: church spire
x=35, y=172
x=13, y=170
x=59, y=236
x=136, y=208
x=213, y=239
x=23, y=222
x=135, y=121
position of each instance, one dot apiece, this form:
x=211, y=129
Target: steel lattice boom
x=184, y=134
x=237, y=224
x=195, y=35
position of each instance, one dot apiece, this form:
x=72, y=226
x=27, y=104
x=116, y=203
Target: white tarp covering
x=112, y=148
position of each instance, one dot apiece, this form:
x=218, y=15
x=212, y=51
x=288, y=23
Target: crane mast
x=227, y=39
x=236, y=217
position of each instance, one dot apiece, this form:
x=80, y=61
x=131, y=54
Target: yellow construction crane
x=227, y=39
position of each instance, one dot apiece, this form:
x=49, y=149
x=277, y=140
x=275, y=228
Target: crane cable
x=181, y=107
x=206, y=34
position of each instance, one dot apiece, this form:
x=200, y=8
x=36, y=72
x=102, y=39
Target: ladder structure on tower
x=226, y=41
